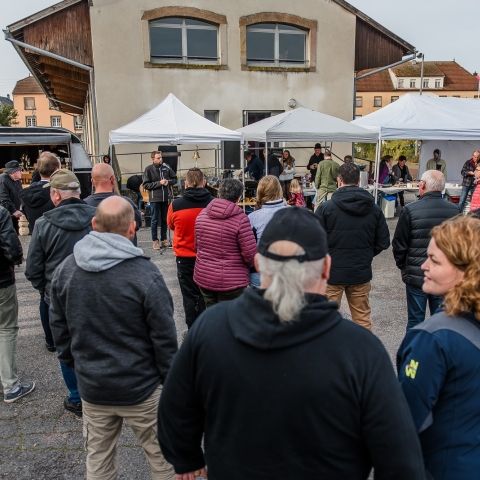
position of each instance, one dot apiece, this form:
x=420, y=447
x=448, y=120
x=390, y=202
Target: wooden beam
x=76, y=75
x=54, y=82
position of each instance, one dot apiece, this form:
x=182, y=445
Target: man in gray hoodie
x=120, y=342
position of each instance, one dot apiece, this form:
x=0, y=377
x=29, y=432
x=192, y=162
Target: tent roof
x=426, y=117
x=303, y=124
x=172, y=122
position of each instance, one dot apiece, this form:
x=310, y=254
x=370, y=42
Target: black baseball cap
x=297, y=225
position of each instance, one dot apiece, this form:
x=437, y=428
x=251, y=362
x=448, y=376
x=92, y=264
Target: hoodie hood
x=254, y=323
x=97, y=251
x=197, y=195
x=353, y=200
x=36, y=196
x=72, y=214
x=220, y=208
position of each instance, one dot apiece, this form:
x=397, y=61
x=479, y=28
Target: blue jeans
x=255, y=279
x=159, y=216
x=463, y=198
x=70, y=380
x=417, y=305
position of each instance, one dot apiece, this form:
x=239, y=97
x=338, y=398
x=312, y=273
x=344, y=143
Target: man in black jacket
x=411, y=238
x=357, y=231
x=280, y=385
x=121, y=343
x=10, y=255
x=53, y=239
x=36, y=199
x=158, y=179
x=11, y=190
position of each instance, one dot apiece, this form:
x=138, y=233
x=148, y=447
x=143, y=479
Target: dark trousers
x=463, y=197
x=417, y=301
x=211, y=297
x=401, y=198
x=45, y=319
x=286, y=188
x=159, y=216
x=193, y=303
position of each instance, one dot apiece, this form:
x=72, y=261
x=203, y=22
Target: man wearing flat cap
x=279, y=385
x=11, y=190
x=54, y=235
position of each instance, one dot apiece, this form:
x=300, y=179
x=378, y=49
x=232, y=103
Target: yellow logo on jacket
x=411, y=369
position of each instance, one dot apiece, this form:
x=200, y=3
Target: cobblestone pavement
x=39, y=440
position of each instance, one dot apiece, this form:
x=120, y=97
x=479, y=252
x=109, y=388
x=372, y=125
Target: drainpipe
x=17, y=44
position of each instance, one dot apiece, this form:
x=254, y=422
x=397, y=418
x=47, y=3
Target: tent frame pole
x=378, y=152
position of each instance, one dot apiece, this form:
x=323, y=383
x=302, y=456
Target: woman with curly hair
x=439, y=360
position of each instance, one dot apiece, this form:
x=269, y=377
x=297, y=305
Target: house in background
x=35, y=110
x=6, y=100
x=234, y=62
x=445, y=79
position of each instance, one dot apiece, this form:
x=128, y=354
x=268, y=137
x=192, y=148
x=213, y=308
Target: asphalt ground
x=39, y=440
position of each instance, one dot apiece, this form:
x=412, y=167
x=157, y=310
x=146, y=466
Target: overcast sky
x=441, y=29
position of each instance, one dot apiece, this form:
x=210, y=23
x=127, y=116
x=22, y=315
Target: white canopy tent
x=305, y=125
x=438, y=121
x=172, y=122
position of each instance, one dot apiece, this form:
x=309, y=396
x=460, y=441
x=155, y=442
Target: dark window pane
x=191, y=21
x=289, y=27
x=269, y=26
x=166, y=42
x=260, y=47
x=202, y=44
x=292, y=48
x=168, y=21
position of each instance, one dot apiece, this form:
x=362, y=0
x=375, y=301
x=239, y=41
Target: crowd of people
x=270, y=381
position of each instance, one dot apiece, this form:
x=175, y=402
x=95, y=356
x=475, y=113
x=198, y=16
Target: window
x=29, y=103
x=413, y=83
x=438, y=83
x=394, y=98
x=212, y=115
x=183, y=40
x=78, y=122
x=377, y=101
x=56, y=121
x=31, y=121
x=425, y=83
x=276, y=44
x=401, y=83
x=359, y=102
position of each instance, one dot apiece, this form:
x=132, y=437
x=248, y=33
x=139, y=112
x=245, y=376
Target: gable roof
x=5, y=101
x=27, y=85
x=456, y=78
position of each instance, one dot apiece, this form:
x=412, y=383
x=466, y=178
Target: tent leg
x=378, y=151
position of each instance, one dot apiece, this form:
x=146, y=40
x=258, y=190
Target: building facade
x=35, y=110
x=234, y=62
x=442, y=78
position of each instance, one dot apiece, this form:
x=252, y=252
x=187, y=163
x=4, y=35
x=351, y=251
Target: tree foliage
x=8, y=116
x=395, y=148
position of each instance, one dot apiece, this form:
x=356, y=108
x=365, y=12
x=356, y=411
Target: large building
x=35, y=110
x=445, y=79
x=234, y=62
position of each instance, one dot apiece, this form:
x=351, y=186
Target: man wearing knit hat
x=11, y=190
x=53, y=238
x=306, y=393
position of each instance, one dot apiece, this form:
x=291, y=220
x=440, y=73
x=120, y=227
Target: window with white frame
x=276, y=44
x=426, y=83
x=78, y=122
x=401, y=83
x=438, y=83
x=413, y=83
x=377, y=101
x=359, y=102
x=31, y=121
x=55, y=121
x=183, y=40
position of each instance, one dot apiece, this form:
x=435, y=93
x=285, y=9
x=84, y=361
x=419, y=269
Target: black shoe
x=75, y=408
x=19, y=391
x=50, y=348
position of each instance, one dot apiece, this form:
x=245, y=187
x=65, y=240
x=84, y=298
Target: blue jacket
x=439, y=370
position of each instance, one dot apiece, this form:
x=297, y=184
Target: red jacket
x=225, y=247
x=181, y=216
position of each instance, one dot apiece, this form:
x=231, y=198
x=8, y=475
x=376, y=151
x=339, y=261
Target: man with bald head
x=120, y=341
x=105, y=185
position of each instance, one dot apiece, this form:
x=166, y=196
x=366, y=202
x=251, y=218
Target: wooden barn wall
x=374, y=49
x=65, y=33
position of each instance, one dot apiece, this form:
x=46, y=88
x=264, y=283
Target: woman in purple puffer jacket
x=225, y=246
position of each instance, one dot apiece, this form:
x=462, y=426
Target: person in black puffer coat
x=357, y=231
x=411, y=239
